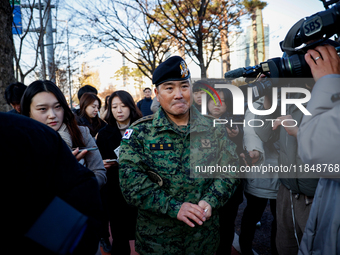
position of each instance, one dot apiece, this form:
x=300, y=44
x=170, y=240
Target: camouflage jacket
x=155, y=160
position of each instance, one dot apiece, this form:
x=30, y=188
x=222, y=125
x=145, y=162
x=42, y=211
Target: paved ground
x=261, y=243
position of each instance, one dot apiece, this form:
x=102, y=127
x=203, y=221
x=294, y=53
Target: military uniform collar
x=160, y=119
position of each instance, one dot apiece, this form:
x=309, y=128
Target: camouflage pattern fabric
x=155, y=176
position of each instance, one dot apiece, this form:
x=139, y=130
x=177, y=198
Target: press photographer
x=318, y=139
x=296, y=194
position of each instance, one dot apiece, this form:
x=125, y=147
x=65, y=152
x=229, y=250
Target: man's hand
x=291, y=130
x=323, y=60
x=192, y=212
x=206, y=207
x=255, y=156
x=233, y=132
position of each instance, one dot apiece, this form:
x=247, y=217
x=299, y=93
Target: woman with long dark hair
x=225, y=111
x=122, y=112
x=228, y=212
x=88, y=113
x=44, y=102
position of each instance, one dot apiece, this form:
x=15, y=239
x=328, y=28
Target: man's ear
x=16, y=107
x=156, y=93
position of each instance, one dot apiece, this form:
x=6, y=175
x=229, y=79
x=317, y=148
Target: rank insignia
x=161, y=146
x=205, y=143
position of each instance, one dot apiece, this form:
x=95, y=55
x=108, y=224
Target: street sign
x=17, y=23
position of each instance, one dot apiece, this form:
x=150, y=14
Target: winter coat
x=83, y=121
x=288, y=155
x=93, y=159
x=144, y=106
x=260, y=187
x=318, y=138
x=42, y=167
x=108, y=140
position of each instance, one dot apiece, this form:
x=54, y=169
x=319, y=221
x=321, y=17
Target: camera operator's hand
x=289, y=125
x=323, y=60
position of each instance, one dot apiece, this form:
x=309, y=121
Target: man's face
x=16, y=107
x=174, y=97
x=147, y=93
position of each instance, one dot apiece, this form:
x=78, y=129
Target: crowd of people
x=127, y=167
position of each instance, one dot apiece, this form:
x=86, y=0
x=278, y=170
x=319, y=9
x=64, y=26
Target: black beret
x=172, y=69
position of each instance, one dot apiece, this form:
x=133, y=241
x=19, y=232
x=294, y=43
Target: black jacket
x=108, y=140
x=37, y=166
x=144, y=106
x=82, y=121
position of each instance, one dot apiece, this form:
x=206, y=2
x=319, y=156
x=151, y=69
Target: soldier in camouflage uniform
x=176, y=213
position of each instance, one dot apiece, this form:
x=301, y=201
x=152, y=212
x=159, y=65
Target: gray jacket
x=259, y=186
x=318, y=138
x=93, y=159
x=288, y=155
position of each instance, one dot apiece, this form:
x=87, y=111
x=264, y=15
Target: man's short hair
x=14, y=92
x=146, y=89
x=86, y=89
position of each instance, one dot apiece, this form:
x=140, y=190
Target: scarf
x=64, y=133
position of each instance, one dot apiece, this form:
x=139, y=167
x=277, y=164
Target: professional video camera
x=306, y=34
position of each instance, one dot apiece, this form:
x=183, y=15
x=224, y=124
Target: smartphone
x=111, y=160
x=88, y=148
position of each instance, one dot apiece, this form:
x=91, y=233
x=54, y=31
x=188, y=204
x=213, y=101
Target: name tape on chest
x=127, y=134
x=161, y=146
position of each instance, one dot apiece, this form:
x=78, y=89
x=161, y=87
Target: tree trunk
x=201, y=62
x=203, y=71
x=6, y=51
x=225, y=49
x=254, y=25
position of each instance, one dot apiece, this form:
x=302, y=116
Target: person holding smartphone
x=44, y=102
x=228, y=212
x=122, y=112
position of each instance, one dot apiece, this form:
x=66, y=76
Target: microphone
x=234, y=73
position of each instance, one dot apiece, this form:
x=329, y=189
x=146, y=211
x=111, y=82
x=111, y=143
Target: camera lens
x=295, y=66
